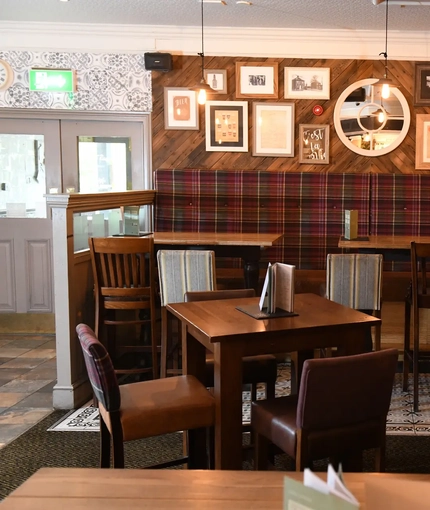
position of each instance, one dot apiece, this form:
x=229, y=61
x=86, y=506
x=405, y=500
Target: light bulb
x=385, y=93
x=381, y=117
x=201, y=98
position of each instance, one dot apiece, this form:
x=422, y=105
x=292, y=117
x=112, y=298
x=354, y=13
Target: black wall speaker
x=158, y=62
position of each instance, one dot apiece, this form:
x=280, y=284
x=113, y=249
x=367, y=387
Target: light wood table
x=231, y=334
x=106, y=489
x=384, y=242
x=247, y=246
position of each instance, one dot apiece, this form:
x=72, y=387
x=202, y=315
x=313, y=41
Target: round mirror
x=367, y=123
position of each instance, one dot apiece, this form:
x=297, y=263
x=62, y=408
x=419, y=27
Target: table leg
x=228, y=410
x=356, y=341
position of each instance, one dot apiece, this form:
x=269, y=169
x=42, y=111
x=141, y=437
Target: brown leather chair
x=145, y=409
x=341, y=410
x=255, y=369
x=124, y=287
x=417, y=297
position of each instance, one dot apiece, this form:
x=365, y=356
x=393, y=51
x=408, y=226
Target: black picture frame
x=422, y=84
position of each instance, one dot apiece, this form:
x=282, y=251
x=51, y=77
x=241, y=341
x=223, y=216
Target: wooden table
x=170, y=489
x=231, y=334
x=246, y=246
x=384, y=242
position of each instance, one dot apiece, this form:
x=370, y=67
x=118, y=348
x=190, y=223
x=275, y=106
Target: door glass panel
x=104, y=164
x=22, y=176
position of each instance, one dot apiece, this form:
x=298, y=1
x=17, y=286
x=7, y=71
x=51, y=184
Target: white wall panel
x=39, y=275
x=7, y=277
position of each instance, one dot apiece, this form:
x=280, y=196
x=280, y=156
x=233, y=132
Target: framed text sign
x=314, y=144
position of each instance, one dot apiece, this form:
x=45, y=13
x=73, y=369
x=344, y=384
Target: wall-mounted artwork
x=422, y=84
x=216, y=79
x=273, y=129
x=257, y=80
x=180, y=108
x=227, y=126
x=307, y=82
x=422, y=150
x=314, y=144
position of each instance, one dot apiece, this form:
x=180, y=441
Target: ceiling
x=298, y=14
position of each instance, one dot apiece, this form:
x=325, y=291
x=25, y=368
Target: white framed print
x=180, y=108
x=306, y=82
x=226, y=126
x=273, y=129
x=216, y=79
x=257, y=79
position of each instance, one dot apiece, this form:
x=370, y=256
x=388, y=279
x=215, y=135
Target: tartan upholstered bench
x=307, y=208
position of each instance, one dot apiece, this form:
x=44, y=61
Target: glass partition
x=22, y=176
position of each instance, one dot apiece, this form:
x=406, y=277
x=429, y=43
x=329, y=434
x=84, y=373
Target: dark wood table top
x=175, y=489
x=219, y=321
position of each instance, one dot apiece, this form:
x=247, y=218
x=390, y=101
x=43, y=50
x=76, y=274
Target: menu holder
x=255, y=312
x=316, y=494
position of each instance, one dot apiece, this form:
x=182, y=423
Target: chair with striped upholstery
x=355, y=280
x=147, y=408
x=180, y=271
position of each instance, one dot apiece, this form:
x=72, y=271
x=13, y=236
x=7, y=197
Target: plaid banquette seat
x=399, y=205
x=307, y=208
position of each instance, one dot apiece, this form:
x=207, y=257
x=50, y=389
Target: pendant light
x=386, y=82
x=202, y=88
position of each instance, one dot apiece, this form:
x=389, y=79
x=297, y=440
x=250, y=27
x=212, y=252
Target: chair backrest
x=123, y=267
x=212, y=295
x=355, y=280
x=101, y=372
x=420, y=256
x=180, y=271
x=347, y=390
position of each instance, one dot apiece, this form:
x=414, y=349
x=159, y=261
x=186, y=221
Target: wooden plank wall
x=186, y=148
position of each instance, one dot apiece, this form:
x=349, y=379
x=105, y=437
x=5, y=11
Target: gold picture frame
x=273, y=129
x=257, y=79
x=422, y=142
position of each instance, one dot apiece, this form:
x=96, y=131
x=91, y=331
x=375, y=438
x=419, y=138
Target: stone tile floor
x=27, y=377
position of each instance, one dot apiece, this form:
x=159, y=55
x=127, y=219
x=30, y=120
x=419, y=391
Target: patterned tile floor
x=27, y=377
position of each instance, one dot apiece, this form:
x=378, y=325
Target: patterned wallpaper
x=105, y=82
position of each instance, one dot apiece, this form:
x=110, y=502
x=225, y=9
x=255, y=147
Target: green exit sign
x=52, y=80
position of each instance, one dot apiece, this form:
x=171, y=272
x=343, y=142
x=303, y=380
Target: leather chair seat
x=147, y=408
x=276, y=419
x=255, y=369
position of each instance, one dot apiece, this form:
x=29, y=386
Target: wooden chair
x=355, y=280
x=180, y=271
x=125, y=290
x=255, y=369
x=341, y=410
x=145, y=409
x=417, y=297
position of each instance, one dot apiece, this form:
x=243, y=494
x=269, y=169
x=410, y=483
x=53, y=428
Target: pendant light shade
x=386, y=82
x=202, y=88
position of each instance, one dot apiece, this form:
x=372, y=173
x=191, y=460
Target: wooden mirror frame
x=373, y=152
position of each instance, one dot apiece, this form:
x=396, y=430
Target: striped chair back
x=101, y=372
x=181, y=271
x=355, y=280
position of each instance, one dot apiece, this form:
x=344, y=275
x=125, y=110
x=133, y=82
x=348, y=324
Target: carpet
x=38, y=448
x=401, y=419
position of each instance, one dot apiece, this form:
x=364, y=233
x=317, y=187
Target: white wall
x=218, y=41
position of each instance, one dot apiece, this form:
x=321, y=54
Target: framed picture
x=422, y=148
x=422, y=84
x=180, y=108
x=216, y=79
x=273, y=129
x=307, y=82
x=256, y=79
x=227, y=126
x=314, y=144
